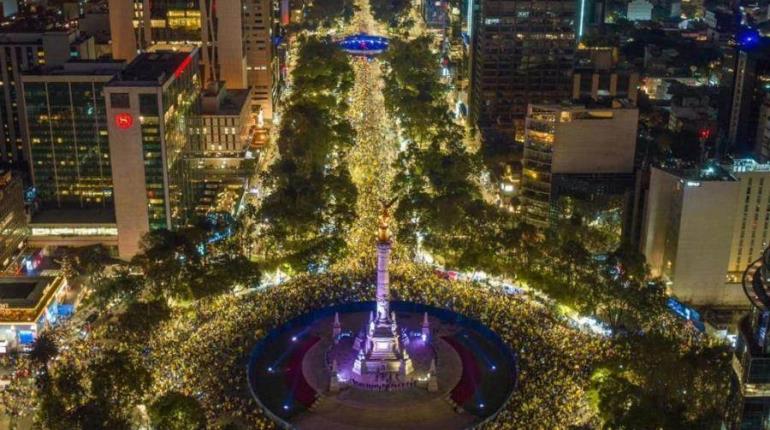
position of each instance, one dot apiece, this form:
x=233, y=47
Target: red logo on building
x=124, y=120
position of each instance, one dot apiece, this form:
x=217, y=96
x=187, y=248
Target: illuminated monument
x=352, y=365
x=382, y=357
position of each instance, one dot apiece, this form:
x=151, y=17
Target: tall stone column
x=383, y=281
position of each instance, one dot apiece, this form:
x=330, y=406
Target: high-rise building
x=95, y=21
x=522, y=53
x=226, y=26
x=260, y=64
x=137, y=25
x=124, y=22
x=171, y=21
x=751, y=232
x=750, y=87
x=722, y=23
x=67, y=128
x=150, y=107
x=218, y=158
x=598, y=75
x=688, y=229
x=750, y=399
x=762, y=144
x=215, y=27
x=13, y=230
x=573, y=140
x=23, y=46
x=227, y=126
x=688, y=212
x=234, y=37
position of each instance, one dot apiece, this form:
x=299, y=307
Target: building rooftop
x=710, y=171
x=231, y=104
x=153, y=68
x=22, y=292
x=23, y=300
x=103, y=67
x=12, y=289
x=615, y=103
x=742, y=165
x=42, y=22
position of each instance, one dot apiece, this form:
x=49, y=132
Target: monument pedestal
x=381, y=355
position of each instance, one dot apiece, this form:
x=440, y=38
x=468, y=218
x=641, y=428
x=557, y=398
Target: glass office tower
x=522, y=53
x=67, y=126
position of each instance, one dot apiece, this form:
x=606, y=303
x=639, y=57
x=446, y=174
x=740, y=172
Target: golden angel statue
x=384, y=221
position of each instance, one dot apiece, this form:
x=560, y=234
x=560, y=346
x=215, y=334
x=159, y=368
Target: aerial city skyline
x=384, y=214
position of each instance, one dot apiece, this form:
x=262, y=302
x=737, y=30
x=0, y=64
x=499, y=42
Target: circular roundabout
x=303, y=373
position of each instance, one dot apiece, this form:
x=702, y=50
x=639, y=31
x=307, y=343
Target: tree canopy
x=326, y=13
x=307, y=214
x=391, y=12
x=101, y=396
x=177, y=411
x=440, y=203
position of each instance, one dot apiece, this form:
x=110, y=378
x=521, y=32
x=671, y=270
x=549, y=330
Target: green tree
x=67, y=268
x=225, y=272
x=676, y=379
x=246, y=229
x=118, y=382
x=500, y=154
x=414, y=93
x=52, y=413
x=304, y=220
x=122, y=287
x=170, y=260
x=61, y=395
x=67, y=403
x=325, y=13
x=93, y=415
x=177, y=411
x=321, y=74
x=91, y=259
x=140, y=318
x=391, y=12
x=45, y=348
x=441, y=206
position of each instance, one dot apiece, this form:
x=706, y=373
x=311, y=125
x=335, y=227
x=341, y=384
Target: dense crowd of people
x=17, y=397
x=203, y=351
x=203, y=348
